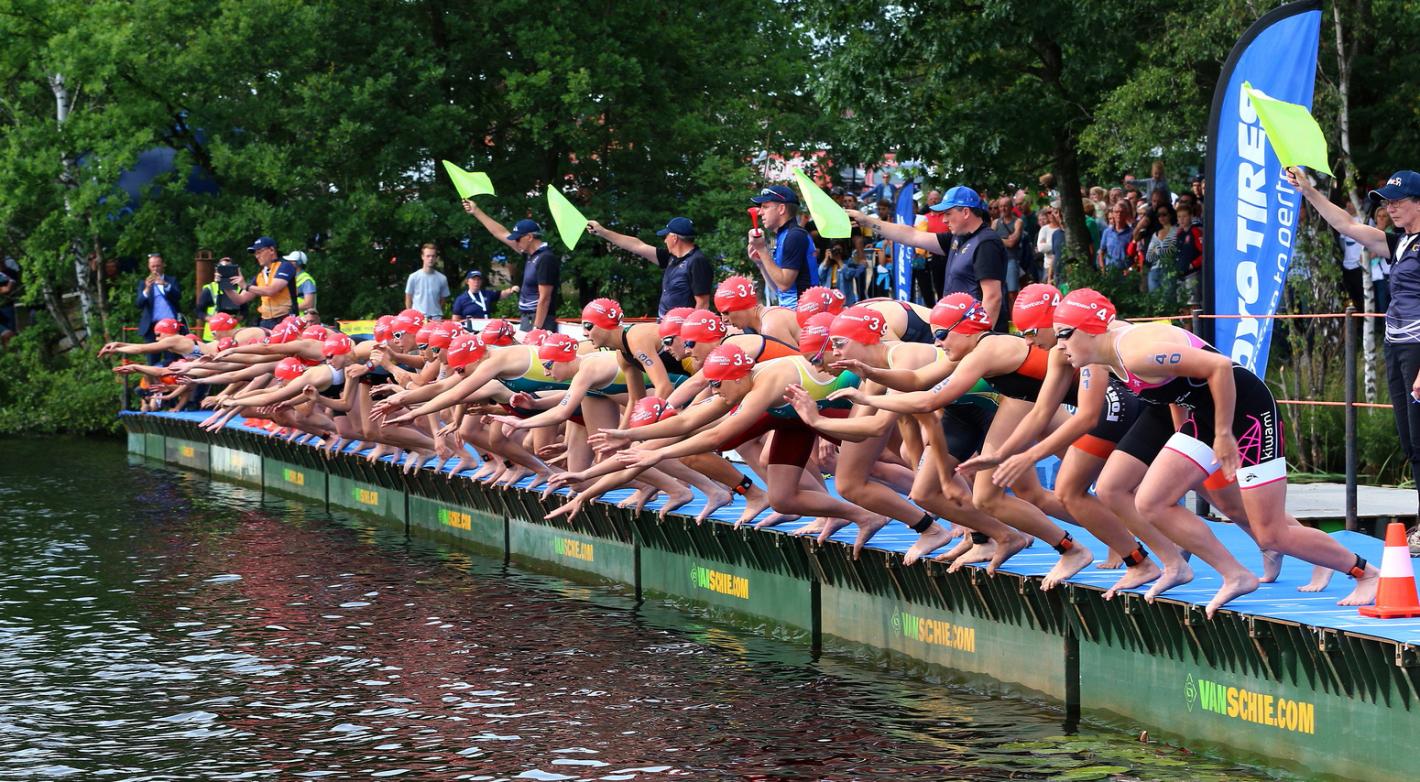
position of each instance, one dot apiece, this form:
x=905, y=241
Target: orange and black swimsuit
x=774, y=348
x=1025, y=381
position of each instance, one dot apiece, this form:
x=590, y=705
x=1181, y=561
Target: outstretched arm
x=628, y=243
x=900, y=232
x=489, y=224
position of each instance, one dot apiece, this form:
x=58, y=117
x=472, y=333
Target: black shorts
x=1257, y=425
x=1121, y=408
x=965, y=425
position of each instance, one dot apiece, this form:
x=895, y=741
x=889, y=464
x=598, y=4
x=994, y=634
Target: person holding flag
x=794, y=263
x=976, y=255
x=686, y=277
x=542, y=271
x=1400, y=198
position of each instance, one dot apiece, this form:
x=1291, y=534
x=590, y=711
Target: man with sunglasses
x=976, y=255
x=792, y=268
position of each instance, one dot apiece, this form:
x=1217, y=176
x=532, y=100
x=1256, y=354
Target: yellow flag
x=1293, y=131
x=469, y=183
x=570, y=222
x=828, y=216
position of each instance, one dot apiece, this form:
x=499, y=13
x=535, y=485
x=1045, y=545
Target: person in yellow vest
x=305, y=287
x=275, y=284
x=212, y=300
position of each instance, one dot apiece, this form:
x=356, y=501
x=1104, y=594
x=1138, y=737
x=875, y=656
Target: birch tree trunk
x=1353, y=192
x=64, y=104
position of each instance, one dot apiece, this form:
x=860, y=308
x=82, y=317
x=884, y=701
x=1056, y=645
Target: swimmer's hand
x=1225, y=447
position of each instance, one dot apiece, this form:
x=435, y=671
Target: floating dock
x=1284, y=675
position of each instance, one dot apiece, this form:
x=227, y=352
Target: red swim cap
x=536, y=336
x=167, y=327
x=602, y=313
x=1035, y=306
x=498, y=332
x=650, y=409
x=337, y=344
x=421, y=337
x=284, y=332
x=818, y=299
x=316, y=332
x=226, y=343
x=558, y=347
x=1084, y=309
x=702, y=326
x=961, y=312
x=383, y=332
x=290, y=368
x=413, y=316
x=672, y=321
x=735, y=293
x=863, y=325
x=813, y=335
x=221, y=321
x=465, y=349
x=440, y=335
x=727, y=362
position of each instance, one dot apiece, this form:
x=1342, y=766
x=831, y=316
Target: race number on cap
x=1035, y=306
x=734, y=294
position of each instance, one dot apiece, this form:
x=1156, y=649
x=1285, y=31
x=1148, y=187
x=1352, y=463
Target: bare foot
x=638, y=499
x=715, y=500
x=775, y=519
x=458, y=466
x=866, y=531
x=812, y=528
x=960, y=548
x=1012, y=546
x=831, y=526
x=981, y=552
x=1169, y=579
x=1134, y=577
x=1075, y=559
x=1233, y=587
x=934, y=538
x=512, y=475
x=1272, y=566
x=1365, y=592
x=497, y=473
x=376, y=453
x=1321, y=579
x=756, y=501
x=675, y=500
x=1111, y=562
x=484, y=470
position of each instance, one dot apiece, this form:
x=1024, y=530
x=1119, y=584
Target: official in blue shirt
x=477, y=302
x=686, y=277
x=795, y=261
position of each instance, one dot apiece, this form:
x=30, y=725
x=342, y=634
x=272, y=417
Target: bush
x=45, y=393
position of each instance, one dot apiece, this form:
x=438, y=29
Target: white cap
x=295, y=256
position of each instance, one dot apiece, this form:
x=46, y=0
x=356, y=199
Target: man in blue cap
x=274, y=284
x=976, y=255
x=686, y=277
x=540, y=291
x=794, y=267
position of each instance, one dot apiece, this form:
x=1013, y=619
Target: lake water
x=157, y=625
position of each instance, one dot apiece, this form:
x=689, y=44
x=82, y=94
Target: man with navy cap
x=539, y=293
x=686, y=277
x=976, y=255
x=793, y=265
x=274, y=284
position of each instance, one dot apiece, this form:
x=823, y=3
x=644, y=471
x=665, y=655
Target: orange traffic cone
x=1396, y=597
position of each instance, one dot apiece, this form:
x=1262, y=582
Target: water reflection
x=155, y=625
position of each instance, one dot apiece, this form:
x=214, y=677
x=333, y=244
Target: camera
x=227, y=273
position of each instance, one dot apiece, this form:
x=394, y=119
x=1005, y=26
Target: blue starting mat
x=1280, y=600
